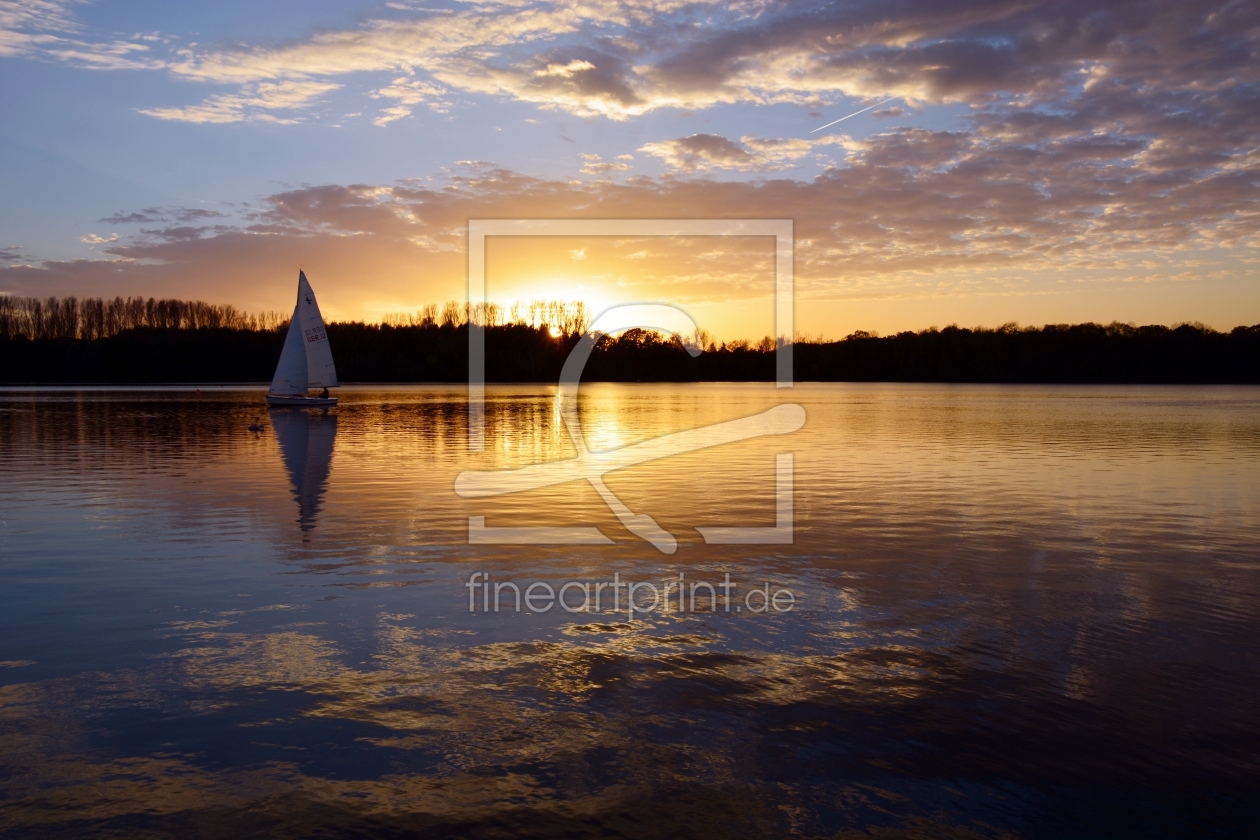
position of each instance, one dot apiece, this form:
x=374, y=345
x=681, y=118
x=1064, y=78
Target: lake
x=1010, y=611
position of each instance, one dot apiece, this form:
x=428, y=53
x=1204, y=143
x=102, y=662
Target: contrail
x=855, y=113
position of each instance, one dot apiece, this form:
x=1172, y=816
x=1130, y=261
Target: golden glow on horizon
x=725, y=284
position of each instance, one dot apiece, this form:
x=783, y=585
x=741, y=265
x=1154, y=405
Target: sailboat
x=306, y=361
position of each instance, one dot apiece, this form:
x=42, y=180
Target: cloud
x=598, y=84
x=256, y=102
x=454, y=48
x=94, y=239
x=699, y=151
x=702, y=152
x=150, y=215
x=904, y=212
x=1127, y=68
x=567, y=71
x=188, y=214
x=36, y=16
x=183, y=233
x=409, y=93
x=594, y=165
x=42, y=28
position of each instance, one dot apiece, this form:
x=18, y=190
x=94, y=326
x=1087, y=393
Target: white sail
x=306, y=360
x=291, y=372
x=320, y=372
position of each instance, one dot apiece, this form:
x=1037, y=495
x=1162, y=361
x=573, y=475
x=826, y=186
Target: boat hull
x=294, y=401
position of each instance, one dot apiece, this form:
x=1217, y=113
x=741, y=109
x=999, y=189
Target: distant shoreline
x=520, y=354
x=136, y=341
x=261, y=387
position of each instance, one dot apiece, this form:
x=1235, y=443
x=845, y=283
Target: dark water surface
x=1020, y=612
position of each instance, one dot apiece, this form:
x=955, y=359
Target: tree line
x=147, y=341
x=570, y=317
x=92, y=318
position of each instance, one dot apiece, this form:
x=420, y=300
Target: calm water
x=1020, y=612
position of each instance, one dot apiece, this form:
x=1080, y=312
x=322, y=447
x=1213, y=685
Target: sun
x=556, y=332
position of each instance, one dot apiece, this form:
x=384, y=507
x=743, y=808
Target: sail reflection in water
x=306, y=444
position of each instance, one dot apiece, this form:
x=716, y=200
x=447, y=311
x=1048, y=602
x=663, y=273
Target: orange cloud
x=1021, y=206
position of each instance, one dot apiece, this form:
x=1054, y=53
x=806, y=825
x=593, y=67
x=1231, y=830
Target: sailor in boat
x=306, y=361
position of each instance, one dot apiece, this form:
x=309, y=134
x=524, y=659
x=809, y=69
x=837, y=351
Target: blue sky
x=83, y=149
x=1038, y=162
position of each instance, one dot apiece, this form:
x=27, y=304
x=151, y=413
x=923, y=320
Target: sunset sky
x=1033, y=162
